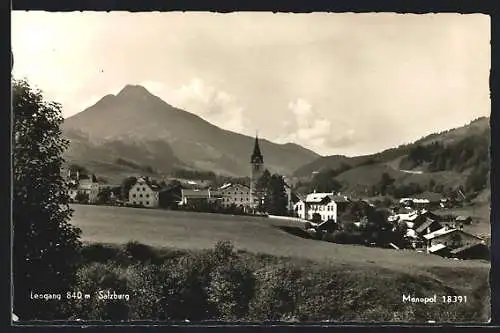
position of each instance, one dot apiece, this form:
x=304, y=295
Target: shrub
x=183, y=292
x=95, y=278
x=276, y=293
x=230, y=290
x=136, y=251
x=99, y=253
x=146, y=284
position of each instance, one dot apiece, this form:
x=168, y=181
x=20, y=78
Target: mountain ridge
x=445, y=161
x=135, y=117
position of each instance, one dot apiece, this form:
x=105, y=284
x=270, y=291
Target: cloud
x=214, y=105
x=309, y=128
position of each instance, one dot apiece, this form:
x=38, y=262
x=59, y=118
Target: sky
x=336, y=83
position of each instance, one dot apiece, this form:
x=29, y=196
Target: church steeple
x=256, y=155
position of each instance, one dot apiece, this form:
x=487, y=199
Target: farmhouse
x=453, y=239
x=324, y=204
x=472, y=251
x=194, y=195
x=144, y=193
x=235, y=194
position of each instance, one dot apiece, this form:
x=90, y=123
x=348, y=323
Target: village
x=321, y=214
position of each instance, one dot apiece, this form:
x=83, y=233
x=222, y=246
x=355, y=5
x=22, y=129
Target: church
x=257, y=169
x=247, y=197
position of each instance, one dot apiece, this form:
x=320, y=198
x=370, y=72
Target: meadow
x=326, y=281
x=191, y=230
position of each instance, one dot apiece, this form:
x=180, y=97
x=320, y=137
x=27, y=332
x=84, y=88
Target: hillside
x=147, y=133
x=457, y=157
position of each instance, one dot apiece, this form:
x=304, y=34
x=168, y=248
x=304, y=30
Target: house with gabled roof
x=234, y=194
x=144, y=193
x=326, y=205
x=453, y=239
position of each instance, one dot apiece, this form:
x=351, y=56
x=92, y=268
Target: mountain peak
x=134, y=90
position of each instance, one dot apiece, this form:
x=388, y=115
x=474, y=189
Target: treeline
x=471, y=153
x=323, y=181
x=135, y=166
x=194, y=174
x=459, y=156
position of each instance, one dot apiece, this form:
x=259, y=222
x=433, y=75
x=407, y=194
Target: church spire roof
x=257, y=155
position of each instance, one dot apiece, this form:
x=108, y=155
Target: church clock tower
x=257, y=169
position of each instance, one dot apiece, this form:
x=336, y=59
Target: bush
x=223, y=284
x=136, y=251
x=99, y=253
x=146, y=285
x=93, y=279
x=276, y=294
x=230, y=290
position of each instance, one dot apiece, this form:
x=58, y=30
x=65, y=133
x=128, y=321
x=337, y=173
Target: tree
x=278, y=198
x=324, y=181
x=127, y=185
x=82, y=197
x=46, y=245
x=262, y=191
x=104, y=195
x=74, y=168
x=316, y=218
x=385, y=182
x=478, y=178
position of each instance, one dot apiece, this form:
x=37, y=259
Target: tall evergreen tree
x=278, y=198
x=46, y=245
x=262, y=191
x=127, y=185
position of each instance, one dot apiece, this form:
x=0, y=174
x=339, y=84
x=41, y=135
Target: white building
x=83, y=186
x=144, y=193
x=237, y=194
x=321, y=203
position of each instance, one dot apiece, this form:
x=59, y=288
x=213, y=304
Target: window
x=147, y=195
x=147, y=202
x=133, y=195
x=140, y=195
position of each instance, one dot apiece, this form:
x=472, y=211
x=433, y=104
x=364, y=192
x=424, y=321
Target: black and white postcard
x=251, y=167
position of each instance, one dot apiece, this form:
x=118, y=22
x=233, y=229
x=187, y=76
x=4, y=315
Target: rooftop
x=440, y=232
x=436, y=247
x=195, y=193
x=317, y=197
x=466, y=247
x=427, y=223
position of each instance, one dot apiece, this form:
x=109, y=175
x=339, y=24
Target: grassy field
x=188, y=230
x=264, y=245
